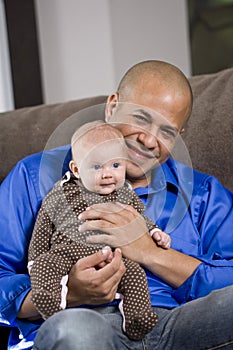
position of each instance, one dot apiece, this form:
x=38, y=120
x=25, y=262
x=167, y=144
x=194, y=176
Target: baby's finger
x=157, y=236
x=165, y=241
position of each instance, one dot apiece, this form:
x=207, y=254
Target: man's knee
x=75, y=329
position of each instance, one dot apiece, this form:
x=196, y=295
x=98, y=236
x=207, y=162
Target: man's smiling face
x=150, y=122
x=148, y=136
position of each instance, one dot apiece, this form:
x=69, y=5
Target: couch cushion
x=209, y=132
x=26, y=130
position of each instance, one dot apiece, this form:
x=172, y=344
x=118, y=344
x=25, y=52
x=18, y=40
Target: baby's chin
x=106, y=189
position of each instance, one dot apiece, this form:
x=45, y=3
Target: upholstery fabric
x=209, y=132
x=26, y=131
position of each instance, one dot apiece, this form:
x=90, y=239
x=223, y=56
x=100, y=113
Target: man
x=190, y=284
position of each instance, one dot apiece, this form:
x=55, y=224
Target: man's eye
x=115, y=165
x=140, y=117
x=169, y=133
x=97, y=167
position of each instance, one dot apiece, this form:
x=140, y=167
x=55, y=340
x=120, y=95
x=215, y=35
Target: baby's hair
x=98, y=129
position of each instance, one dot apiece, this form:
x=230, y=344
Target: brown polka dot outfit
x=56, y=245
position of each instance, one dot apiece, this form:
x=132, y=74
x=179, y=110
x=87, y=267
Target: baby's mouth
x=107, y=183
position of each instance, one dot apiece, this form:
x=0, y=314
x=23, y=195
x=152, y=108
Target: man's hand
x=121, y=224
x=124, y=227
x=94, y=279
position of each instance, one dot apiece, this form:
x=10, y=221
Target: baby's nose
x=106, y=174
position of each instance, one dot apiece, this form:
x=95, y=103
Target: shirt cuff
x=15, y=290
x=187, y=291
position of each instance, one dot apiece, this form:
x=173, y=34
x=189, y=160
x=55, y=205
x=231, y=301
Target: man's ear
x=110, y=106
x=74, y=168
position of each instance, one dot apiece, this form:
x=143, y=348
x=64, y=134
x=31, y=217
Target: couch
x=208, y=135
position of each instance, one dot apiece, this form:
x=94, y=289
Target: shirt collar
x=162, y=176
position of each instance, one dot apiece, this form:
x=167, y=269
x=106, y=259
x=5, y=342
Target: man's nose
x=148, y=139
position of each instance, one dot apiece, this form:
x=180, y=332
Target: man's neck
x=141, y=182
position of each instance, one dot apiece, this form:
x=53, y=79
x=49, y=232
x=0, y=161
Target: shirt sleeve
x=19, y=205
x=213, y=216
x=21, y=194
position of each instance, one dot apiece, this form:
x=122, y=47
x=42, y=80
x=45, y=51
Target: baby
x=97, y=175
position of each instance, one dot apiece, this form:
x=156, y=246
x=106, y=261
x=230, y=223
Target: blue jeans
x=205, y=323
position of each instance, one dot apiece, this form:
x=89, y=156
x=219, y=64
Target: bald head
x=162, y=74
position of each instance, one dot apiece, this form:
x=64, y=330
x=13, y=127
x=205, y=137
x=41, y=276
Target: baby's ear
x=74, y=168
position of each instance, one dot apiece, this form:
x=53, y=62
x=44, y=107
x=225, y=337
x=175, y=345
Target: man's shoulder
x=179, y=173
x=183, y=175
x=52, y=154
x=45, y=168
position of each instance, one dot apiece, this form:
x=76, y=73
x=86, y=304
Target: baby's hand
x=161, y=238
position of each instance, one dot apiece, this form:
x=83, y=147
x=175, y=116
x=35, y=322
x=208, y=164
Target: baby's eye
x=97, y=167
x=115, y=165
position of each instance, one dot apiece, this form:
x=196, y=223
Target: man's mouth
x=139, y=153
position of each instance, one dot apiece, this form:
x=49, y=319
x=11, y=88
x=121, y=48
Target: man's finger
x=100, y=239
x=95, y=259
x=114, y=270
x=95, y=225
x=104, y=211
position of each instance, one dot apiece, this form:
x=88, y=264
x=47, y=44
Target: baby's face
x=102, y=169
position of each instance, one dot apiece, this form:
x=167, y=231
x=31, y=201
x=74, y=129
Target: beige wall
x=6, y=89
x=86, y=45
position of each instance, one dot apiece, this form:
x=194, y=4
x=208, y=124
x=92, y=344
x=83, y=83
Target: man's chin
x=135, y=171
x=135, y=176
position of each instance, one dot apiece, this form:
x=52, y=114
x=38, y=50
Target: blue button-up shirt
x=192, y=207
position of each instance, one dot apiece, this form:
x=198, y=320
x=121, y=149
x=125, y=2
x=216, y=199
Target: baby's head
x=99, y=157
